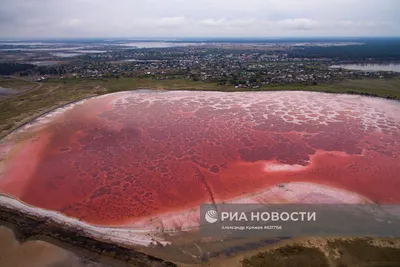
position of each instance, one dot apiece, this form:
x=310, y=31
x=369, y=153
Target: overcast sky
x=198, y=18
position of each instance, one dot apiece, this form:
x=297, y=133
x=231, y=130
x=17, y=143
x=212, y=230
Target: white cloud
x=287, y=24
x=250, y=18
x=72, y=22
x=298, y=24
x=362, y=24
x=171, y=22
x=227, y=23
x=211, y=22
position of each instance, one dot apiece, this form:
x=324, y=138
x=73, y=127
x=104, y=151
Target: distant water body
x=78, y=53
x=155, y=44
x=370, y=67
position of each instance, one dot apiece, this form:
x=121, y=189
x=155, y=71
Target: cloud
x=211, y=22
x=152, y=18
x=298, y=24
x=73, y=22
x=227, y=23
x=251, y=25
x=171, y=22
x=363, y=24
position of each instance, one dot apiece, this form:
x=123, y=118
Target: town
x=242, y=67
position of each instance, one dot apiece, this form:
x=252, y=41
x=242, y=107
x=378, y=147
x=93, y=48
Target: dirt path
x=39, y=85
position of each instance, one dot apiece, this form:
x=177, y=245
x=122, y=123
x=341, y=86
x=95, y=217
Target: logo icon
x=211, y=216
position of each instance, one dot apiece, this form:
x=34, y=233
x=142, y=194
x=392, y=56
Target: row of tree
x=51, y=70
x=12, y=68
x=27, y=69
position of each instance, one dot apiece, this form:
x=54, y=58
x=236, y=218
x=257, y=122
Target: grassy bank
x=22, y=108
x=18, y=84
x=331, y=253
x=386, y=88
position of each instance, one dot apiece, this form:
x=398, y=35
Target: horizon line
x=200, y=38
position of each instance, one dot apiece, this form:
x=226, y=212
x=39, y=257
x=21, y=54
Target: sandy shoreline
x=29, y=226
x=52, y=242
x=129, y=237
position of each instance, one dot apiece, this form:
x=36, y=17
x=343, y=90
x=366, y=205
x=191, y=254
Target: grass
x=16, y=83
x=20, y=109
x=125, y=84
x=341, y=253
x=386, y=88
x=23, y=108
x=293, y=256
x=380, y=87
x=376, y=87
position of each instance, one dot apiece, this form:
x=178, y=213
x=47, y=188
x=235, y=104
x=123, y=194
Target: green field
x=124, y=84
x=55, y=92
x=378, y=87
x=16, y=83
x=23, y=108
x=386, y=88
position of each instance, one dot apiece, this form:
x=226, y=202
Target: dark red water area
x=129, y=156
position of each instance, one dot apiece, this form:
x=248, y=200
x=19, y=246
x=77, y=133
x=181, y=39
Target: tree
x=11, y=68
